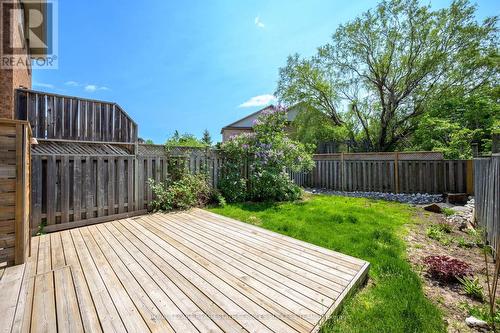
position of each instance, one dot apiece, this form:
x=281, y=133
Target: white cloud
x=72, y=84
x=260, y=100
x=43, y=85
x=90, y=87
x=93, y=87
x=259, y=23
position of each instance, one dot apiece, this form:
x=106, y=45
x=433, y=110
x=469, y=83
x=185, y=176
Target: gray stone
x=476, y=323
x=413, y=199
x=433, y=208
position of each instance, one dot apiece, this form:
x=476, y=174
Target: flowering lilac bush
x=257, y=164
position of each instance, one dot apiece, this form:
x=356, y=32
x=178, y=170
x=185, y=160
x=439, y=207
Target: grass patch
x=368, y=229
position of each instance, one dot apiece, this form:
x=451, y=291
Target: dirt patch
x=449, y=297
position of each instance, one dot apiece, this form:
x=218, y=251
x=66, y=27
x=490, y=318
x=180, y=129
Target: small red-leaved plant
x=446, y=269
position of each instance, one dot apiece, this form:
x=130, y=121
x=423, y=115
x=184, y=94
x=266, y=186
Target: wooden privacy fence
x=76, y=184
x=15, y=237
x=58, y=117
x=71, y=191
x=412, y=172
x=487, y=196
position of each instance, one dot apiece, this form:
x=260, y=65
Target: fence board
x=65, y=189
x=487, y=197
x=111, y=186
x=77, y=186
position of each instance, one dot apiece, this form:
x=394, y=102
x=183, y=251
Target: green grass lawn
x=393, y=300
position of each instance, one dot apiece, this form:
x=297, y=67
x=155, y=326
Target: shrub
x=439, y=232
x=462, y=242
x=472, y=288
x=446, y=269
x=448, y=211
x=189, y=191
x=434, y=232
x=445, y=226
x=256, y=165
x=478, y=236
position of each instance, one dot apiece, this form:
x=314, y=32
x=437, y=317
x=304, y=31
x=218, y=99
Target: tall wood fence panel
x=14, y=192
x=487, y=196
x=73, y=190
x=388, y=172
x=157, y=163
x=58, y=117
x=150, y=167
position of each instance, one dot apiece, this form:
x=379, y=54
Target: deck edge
x=351, y=288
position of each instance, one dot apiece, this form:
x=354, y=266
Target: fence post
x=495, y=149
x=475, y=150
x=469, y=181
x=396, y=172
x=342, y=171
x=136, y=177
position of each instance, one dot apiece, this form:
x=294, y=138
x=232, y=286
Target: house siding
x=228, y=133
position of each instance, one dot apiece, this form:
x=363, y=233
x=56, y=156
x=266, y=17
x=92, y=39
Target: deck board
x=182, y=272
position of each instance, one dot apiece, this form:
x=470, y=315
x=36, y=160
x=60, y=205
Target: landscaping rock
x=413, y=199
x=476, y=323
x=433, y=208
x=464, y=216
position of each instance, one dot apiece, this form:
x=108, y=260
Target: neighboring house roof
x=247, y=121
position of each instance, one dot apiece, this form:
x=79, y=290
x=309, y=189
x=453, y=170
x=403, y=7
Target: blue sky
x=190, y=65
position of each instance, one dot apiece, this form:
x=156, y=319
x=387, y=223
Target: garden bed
x=451, y=298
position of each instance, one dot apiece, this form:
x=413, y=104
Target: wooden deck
x=182, y=272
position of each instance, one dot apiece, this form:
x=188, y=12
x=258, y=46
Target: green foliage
x=482, y=312
x=472, y=288
x=184, y=140
x=149, y=142
x=457, y=119
x=477, y=235
x=312, y=126
x=393, y=300
x=398, y=62
x=434, y=233
x=448, y=211
x=445, y=226
x=437, y=232
x=189, y=191
x=464, y=243
x=267, y=154
x=207, y=138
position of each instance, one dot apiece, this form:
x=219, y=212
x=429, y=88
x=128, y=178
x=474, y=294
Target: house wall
x=11, y=79
x=227, y=133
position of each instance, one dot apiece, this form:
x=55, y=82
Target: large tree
x=385, y=67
